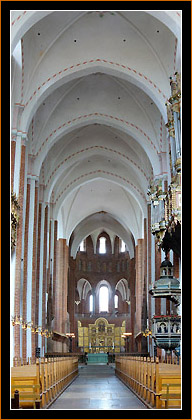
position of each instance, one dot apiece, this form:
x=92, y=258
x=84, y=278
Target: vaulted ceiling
x=93, y=87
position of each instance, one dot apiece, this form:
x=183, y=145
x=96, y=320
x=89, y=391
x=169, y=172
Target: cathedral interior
x=95, y=184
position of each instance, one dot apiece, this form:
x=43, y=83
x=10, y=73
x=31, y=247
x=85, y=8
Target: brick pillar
x=51, y=265
x=71, y=302
x=34, y=308
x=50, y=283
x=157, y=275
x=132, y=276
x=111, y=301
x=149, y=261
x=65, y=284
x=61, y=285
x=54, y=264
x=24, y=313
x=17, y=285
x=97, y=301
x=44, y=275
x=38, y=272
x=149, y=248
x=31, y=262
x=139, y=282
x=145, y=250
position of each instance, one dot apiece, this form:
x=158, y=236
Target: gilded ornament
x=14, y=219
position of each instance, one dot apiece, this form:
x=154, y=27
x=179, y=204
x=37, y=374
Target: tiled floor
x=97, y=388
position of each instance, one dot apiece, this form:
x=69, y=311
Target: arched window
x=102, y=245
x=82, y=246
x=103, y=299
x=122, y=246
x=116, y=301
x=91, y=303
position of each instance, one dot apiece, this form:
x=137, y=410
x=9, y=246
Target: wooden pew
x=39, y=384
x=169, y=379
x=157, y=384
x=26, y=379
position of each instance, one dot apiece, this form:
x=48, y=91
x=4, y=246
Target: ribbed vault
x=92, y=107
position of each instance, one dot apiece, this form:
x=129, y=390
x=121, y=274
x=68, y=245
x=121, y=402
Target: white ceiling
x=93, y=86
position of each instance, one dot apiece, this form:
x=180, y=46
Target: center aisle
x=97, y=388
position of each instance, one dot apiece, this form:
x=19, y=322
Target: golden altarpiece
x=101, y=337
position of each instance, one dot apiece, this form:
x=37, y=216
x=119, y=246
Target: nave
x=96, y=267
x=97, y=388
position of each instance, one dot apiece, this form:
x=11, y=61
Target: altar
x=97, y=358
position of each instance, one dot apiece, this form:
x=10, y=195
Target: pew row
x=158, y=385
x=41, y=383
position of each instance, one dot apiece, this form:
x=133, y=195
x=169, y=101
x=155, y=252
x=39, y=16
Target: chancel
x=96, y=208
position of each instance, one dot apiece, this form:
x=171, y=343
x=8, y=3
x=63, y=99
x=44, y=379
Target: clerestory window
x=91, y=303
x=122, y=246
x=103, y=299
x=102, y=245
x=116, y=301
x=82, y=246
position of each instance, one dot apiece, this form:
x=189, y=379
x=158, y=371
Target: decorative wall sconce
x=29, y=325
x=77, y=302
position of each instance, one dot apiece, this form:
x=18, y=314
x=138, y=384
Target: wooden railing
x=158, y=385
x=18, y=361
x=41, y=383
x=81, y=356
x=174, y=360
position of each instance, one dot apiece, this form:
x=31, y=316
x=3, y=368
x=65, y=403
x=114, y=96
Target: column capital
x=17, y=135
x=31, y=178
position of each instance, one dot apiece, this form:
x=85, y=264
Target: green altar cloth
x=97, y=358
